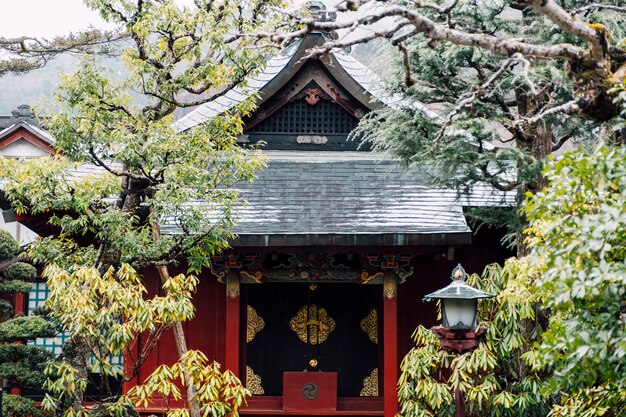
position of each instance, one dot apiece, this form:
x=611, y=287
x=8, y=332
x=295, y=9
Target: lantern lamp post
x=459, y=310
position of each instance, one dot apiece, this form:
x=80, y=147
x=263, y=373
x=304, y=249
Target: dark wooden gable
x=312, y=111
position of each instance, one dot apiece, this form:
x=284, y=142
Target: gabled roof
x=29, y=134
x=355, y=77
x=331, y=198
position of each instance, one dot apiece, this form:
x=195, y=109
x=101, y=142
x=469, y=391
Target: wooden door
x=295, y=327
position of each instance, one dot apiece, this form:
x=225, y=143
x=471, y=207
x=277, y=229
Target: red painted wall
x=432, y=268
x=205, y=332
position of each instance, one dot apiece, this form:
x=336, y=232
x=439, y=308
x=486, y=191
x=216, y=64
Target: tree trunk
x=538, y=143
x=179, y=337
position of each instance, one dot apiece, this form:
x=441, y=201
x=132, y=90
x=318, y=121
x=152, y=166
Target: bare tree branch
x=597, y=6
x=28, y=53
x=442, y=32
x=567, y=108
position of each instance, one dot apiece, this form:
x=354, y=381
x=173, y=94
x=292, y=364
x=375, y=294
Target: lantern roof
x=458, y=289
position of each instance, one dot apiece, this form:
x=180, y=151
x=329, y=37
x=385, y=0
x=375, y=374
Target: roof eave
x=386, y=239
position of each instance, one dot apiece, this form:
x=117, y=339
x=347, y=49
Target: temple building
x=314, y=305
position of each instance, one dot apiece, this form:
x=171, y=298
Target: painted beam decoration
x=257, y=268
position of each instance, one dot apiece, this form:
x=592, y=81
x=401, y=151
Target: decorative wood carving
x=312, y=324
x=370, y=385
x=369, y=325
x=232, y=284
x=253, y=382
x=390, y=285
x=255, y=324
x=254, y=277
x=314, y=76
x=312, y=95
x=256, y=268
x=398, y=263
x=367, y=278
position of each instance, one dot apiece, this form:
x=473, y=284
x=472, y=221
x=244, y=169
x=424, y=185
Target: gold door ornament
x=253, y=382
x=369, y=325
x=370, y=385
x=255, y=324
x=312, y=324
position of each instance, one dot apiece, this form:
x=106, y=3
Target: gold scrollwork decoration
x=255, y=277
x=370, y=385
x=253, y=382
x=369, y=325
x=312, y=324
x=255, y=324
x=366, y=277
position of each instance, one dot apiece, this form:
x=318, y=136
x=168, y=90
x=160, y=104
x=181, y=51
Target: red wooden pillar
x=232, y=321
x=390, y=344
x=19, y=302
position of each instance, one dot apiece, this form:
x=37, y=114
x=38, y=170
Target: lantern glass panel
x=459, y=313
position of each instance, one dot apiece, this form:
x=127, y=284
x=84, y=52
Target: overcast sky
x=45, y=17
x=48, y=18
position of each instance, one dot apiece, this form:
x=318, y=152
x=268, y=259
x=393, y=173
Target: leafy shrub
x=8, y=246
x=29, y=327
x=15, y=286
x=20, y=270
x=23, y=365
x=16, y=406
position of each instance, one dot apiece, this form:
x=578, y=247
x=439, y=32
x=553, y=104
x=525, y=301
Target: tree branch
x=440, y=32
x=27, y=53
x=565, y=21
x=566, y=108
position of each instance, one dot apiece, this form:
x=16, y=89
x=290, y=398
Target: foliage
x=21, y=271
x=15, y=286
x=151, y=174
x=6, y=309
x=493, y=379
x=483, y=116
x=578, y=235
x=23, y=365
x=219, y=394
x=26, y=327
x=16, y=406
x=107, y=313
x=130, y=187
x=571, y=362
x=8, y=246
x=23, y=54
x=619, y=94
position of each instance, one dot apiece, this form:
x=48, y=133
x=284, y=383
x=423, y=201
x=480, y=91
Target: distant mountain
x=38, y=85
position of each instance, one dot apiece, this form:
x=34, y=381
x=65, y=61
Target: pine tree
x=21, y=365
x=486, y=90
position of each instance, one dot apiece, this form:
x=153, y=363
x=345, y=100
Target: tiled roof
x=358, y=197
x=238, y=94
